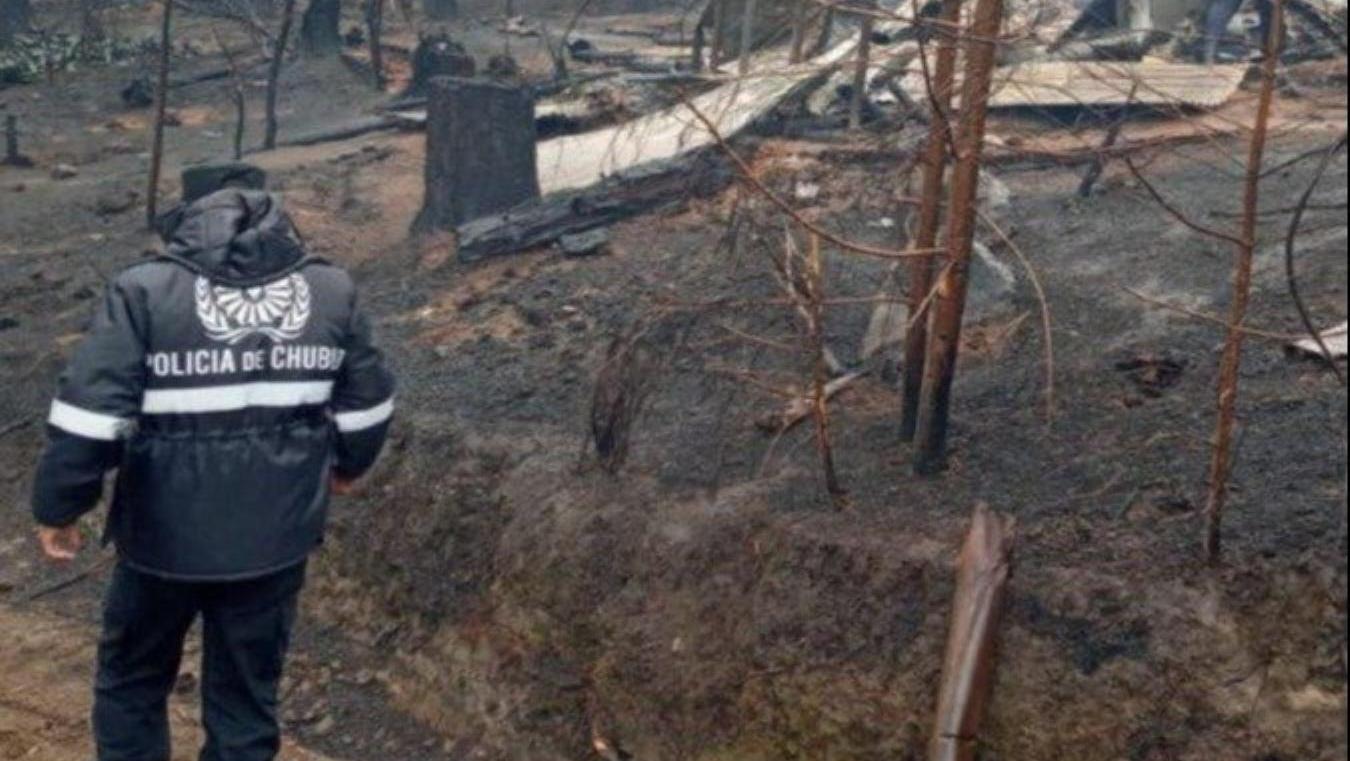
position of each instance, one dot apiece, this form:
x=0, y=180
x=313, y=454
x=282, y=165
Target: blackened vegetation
x=1090, y=643
x=634, y=364
x=1152, y=373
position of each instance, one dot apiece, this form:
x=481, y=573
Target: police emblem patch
x=279, y=310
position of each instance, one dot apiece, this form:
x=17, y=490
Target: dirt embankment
x=707, y=604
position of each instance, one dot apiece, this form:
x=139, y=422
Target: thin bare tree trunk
x=161, y=106
x=748, y=35
x=930, y=217
x=375, y=34
x=274, y=74
x=820, y=397
x=91, y=26
x=1221, y=464
x=719, y=43
x=855, y=115
x=940, y=369
x=237, y=93
x=801, y=15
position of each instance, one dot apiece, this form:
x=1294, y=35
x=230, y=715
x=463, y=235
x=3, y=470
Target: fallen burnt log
x=625, y=59
x=626, y=194
x=347, y=130
x=214, y=75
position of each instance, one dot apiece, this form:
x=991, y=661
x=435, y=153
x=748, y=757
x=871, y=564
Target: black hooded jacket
x=225, y=381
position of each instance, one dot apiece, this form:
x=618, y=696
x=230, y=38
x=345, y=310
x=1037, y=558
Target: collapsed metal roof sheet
x=1106, y=83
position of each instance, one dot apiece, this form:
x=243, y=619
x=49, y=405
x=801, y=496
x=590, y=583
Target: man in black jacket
x=233, y=385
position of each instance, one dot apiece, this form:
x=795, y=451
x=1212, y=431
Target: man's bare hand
x=343, y=486
x=61, y=544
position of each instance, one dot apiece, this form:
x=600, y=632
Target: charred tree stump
x=438, y=56
x=949, y=309
x=12, y=155
x=930, y=218
x=16, y=17
x=503, y=67
x=481, y=156
x=440, y=10
x=321, y=28
x=1221, y=458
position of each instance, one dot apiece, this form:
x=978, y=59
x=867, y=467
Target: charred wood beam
x=624, y=195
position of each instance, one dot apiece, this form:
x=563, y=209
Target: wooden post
x=864, y=63
x=939, y=373
x=481, y=155
x=161, y=106
x=930, y=216
x=1221, y=462
x=748, y=35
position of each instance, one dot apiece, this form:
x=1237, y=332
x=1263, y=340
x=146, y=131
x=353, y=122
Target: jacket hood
x=239, y=237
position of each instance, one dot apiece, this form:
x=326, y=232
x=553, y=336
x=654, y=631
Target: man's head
x=201, y=181
x=204, y=179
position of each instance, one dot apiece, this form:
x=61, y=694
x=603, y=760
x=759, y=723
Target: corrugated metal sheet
x=1100, y=83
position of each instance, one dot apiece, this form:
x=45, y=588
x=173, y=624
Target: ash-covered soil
x=493, y=594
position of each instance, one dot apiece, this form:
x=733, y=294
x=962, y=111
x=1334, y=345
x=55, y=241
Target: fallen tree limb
x=801, y=408
x=968, y=668
x=213, y=75
x=346, y=131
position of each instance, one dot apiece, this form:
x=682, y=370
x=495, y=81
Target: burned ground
x=492, y=594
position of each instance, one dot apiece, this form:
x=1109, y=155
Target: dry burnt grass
x=703, y=605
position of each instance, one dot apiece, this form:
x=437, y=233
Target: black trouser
x=246, y=627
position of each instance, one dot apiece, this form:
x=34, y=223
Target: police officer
x=233, y=385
